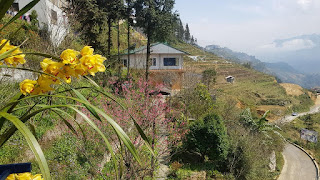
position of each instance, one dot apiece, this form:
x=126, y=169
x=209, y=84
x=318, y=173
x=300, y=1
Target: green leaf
x=32, y=142
x=43, y=55
x=9, y=109
x=110, y=96
x=5, y=5
x=7, y=53
x=20, y=13
x=121, y=134
x=33, y=130
x=142, y=134
x=67, y=114
x=91, y=110
x=13, y=34
x=95, y=127
x=67, y=123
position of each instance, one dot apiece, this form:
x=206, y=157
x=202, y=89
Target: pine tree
x=192, y=40
x=180, y=30
x=156, y=19
x=187, y=34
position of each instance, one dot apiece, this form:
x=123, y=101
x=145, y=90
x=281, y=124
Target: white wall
x=138, y=61
x=57, y=31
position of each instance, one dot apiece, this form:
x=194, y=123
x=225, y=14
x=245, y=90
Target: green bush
x=209, y=139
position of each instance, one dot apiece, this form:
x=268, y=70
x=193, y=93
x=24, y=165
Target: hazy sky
x=249, y=25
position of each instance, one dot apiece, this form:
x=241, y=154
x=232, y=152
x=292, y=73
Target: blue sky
x=249, y=25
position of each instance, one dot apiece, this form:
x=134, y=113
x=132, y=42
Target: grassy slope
x=251, y=88
x=292, y=132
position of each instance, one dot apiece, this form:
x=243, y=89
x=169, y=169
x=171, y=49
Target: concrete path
x=297, y=165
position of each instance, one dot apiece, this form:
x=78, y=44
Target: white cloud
x=305, y=4
x=290, y=45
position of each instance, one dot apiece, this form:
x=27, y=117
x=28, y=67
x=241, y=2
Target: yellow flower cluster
x=15, y=56
x=72, y=64
x=24, y=176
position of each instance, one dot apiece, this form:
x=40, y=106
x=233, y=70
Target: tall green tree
x=209, y=77
x=129, y=14
x=89, y=20
x=115, y=11
x=187, y=35
x=181, y=31
x=156, y=18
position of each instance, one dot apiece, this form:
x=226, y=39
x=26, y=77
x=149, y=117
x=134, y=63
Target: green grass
x=291, y=131
x=251, y=88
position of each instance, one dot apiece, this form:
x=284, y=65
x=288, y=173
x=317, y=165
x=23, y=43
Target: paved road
x=314, y=109
x=297, y=165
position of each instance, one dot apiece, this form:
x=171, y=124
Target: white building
x=50, y=14
x=163, y=57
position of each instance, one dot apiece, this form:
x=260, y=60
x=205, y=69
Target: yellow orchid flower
x=69, y=56
x=93, y=64
x=51, y=67
x=87, y=50
x=37, y=177
x=43, y=84
x=11, y=177
x=27, y=86
x=66, y=73
x=15, y=57
x=24, y=176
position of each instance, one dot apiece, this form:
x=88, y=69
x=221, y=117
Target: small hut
x=230, y=79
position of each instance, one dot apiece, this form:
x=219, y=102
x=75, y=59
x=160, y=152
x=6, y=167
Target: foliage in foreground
x=70, y=64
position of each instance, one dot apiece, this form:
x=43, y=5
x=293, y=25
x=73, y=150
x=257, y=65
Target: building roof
x=157, y=48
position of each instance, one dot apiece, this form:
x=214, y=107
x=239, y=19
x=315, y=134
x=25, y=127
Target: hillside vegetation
x=251, y=88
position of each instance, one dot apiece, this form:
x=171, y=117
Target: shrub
x=209, y=139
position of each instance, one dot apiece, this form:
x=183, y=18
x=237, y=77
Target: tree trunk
x=119, y=60
x=152, y=146
x=109, y=38
x=128, y=38
x=148, y=59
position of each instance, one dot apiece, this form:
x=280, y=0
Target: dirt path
x=297, y=165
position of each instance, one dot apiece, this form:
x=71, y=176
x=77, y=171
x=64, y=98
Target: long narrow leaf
x=91, y=110
x=13, y=34
x=67, y=123
x=69, y=116
x=142, y=134
x=7, y=53
x=122, y=135
x=5, y=5
x=95, y=127
x=9, y=109
x=32, y=142
x=110, y=96
x=43, y=55
x=20, y=13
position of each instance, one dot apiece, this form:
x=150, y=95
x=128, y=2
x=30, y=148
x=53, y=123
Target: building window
x=54, y=17
x=125, y=62
x=154, y=62
x=170, y=62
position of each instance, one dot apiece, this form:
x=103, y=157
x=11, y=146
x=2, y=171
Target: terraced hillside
x=251, y=88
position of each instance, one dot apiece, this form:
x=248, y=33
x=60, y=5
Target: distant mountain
x=281, y=70
x=301, y=52
x=237, y=57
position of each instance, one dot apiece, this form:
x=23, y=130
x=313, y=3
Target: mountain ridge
x=283, y=71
